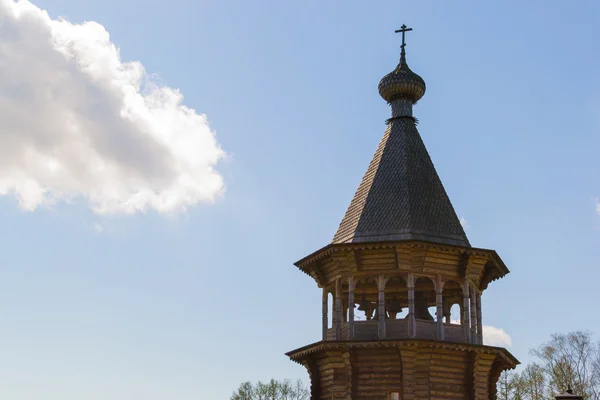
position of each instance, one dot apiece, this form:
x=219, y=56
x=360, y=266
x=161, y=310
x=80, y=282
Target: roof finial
x=403, y=29
x=402, y=82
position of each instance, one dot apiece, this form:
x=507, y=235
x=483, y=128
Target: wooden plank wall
x=448, y=371
x=378, y=370
x=481, y=375
x=334, y=375
x=416, y=372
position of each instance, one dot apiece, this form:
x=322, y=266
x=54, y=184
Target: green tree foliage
x=273, y=390
x=505, y=386
x=533, y=382
x=571, y=359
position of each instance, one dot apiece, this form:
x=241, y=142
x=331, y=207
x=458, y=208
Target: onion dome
x=402, y=83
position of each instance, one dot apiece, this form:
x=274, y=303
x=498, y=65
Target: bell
x=367, y=307
x=364, y=305
x=421, y=311
x=394, y=306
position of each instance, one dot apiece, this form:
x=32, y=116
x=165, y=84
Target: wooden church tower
x=405, y=283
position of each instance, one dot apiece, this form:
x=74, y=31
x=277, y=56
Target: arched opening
x=455, y=314
x=365, y=314
x=331, y=311
x=452, y=301
x=365, y=296
x=396, y=308
x=396, y=298
x=425, y=305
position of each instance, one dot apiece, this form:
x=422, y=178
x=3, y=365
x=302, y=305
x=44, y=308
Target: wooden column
x=479, y=320
x=465, y=312
x=351, y=308
x=381, y=306
x=338, y=309
x=412, y=323
x=447, y=307
x=439, y=317
x=325, y=309
x=473, y=315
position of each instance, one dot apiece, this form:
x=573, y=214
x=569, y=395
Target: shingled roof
x=401, y=196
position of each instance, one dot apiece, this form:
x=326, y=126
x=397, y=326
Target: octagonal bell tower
x=405, y=283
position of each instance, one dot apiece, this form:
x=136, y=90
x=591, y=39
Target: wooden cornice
x=330, y=248
x=299, y=354
x=317, y=275
x=345, y=254
x=465, y=262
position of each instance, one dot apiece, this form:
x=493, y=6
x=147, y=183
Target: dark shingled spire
x=401, y=196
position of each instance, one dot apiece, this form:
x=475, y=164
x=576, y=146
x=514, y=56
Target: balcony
x=398, y=329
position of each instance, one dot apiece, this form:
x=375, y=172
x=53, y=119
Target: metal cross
x=403, y=29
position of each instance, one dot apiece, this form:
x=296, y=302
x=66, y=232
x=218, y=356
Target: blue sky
x=109, y=303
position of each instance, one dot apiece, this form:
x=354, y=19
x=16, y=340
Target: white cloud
x=77, y=123
x=464, y=223
x=493, y=336
x=597, y=206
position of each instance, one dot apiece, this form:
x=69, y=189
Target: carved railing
x=426, y=329
x=454, y=333
x=366, y=330
x=397, y=329
x=330, y=334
